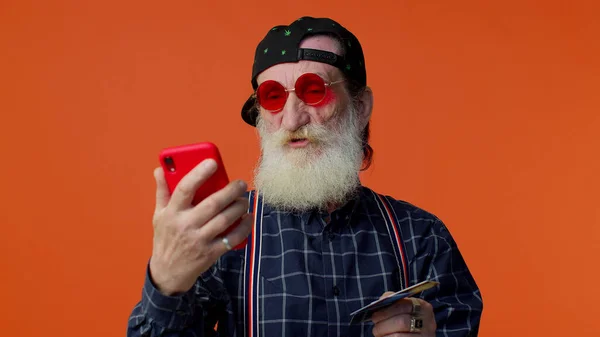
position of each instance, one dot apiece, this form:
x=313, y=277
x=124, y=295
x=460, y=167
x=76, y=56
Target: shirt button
x=331, y=236
x=336, y=291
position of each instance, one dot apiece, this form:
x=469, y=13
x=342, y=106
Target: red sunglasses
x=309, y=87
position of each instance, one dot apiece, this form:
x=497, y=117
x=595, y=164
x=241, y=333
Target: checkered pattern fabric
x=315, y=270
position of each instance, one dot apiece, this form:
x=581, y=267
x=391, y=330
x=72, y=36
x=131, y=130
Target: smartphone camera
x=170, y=164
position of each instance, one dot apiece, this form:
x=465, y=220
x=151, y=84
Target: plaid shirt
x=315, y=269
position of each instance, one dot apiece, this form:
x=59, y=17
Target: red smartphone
x=178, y=161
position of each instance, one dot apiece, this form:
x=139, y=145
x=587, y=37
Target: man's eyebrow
x=324, y=75
x=320, y=73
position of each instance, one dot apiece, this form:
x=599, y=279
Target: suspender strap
x=252, y=268
x=389, y=217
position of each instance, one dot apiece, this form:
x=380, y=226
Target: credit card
x=365, y=313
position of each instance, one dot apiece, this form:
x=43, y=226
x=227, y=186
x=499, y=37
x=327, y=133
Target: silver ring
x=416, y=306
x=226, y=243
x=416, y=324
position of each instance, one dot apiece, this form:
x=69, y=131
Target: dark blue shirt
x=317, y=268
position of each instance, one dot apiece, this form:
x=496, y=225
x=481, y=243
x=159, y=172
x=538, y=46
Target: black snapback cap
x=281, y=45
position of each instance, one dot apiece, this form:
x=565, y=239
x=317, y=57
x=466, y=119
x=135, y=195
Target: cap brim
x=249, y=111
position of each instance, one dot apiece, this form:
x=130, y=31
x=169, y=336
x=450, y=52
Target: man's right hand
x=187, y=238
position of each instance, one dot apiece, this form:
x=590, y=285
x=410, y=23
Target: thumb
x=162, y=191
x=386, y=294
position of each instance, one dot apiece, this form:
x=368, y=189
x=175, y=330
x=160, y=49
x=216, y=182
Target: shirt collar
x=341, y=215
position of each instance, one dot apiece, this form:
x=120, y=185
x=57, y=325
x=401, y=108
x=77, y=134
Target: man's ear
x=365, y=107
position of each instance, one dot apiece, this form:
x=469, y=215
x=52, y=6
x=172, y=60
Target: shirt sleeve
x=181, y=315
x=457, y=301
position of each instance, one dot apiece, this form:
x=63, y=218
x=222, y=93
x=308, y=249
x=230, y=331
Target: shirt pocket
x=285, y=298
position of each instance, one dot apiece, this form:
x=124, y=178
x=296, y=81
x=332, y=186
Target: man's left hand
x=406, y=318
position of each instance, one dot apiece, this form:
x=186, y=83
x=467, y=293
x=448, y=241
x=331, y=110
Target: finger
x=403, y=306
x=391, y=325
x=426, y=314
x=235, y=237
x=218, y=201
x=386, y=294
x=162, y=191
x=222, y=221
x=186, y=188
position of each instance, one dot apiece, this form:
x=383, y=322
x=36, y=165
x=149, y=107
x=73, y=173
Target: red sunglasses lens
x=271, y=95
x=310, y=88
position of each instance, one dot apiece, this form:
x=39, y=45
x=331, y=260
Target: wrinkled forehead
x=287, y=73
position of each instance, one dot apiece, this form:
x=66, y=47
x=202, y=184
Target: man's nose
x=294, y=116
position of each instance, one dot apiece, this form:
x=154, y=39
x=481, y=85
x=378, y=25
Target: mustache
x=313, y=133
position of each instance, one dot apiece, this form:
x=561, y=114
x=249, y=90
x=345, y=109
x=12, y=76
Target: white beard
x=321, y=175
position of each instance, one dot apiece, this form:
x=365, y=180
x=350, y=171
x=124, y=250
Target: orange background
x=486, y=113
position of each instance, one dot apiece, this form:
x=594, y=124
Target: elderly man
x=319, y=244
